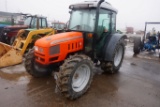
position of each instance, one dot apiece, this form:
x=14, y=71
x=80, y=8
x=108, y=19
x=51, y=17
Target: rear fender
x=110, y=45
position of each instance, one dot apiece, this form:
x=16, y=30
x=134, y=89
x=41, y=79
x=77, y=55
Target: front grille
x=53, y=59
x=54, y=50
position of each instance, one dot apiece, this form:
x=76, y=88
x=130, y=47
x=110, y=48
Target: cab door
x=103, y=29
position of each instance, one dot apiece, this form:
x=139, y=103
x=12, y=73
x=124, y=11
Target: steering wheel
x=82, y=27
x=86, y=27
x=78, y=27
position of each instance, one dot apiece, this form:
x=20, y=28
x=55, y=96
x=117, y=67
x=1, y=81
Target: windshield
x=83, y=20
x=27, y=21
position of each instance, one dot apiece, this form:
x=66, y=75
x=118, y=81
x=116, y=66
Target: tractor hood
x=57, y=39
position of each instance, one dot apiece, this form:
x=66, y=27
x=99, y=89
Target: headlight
x=35, y=48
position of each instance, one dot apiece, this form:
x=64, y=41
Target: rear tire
x=137, y=45
x=118, y=55
x=32, y=67
x=75, y=76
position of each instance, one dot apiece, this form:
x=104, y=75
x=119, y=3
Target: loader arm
x=11, y=55
x=21, y=43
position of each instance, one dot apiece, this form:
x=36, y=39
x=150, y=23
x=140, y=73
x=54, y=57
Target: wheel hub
x=81, y=77
x=76, y=76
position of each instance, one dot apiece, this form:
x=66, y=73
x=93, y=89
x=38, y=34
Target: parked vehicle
x=9, y=33
x=149, y=42
x=91, y=39
x=25, y=39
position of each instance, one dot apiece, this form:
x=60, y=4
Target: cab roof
x=92, y=4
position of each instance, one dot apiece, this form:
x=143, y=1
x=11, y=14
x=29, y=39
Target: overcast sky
x=130, y=12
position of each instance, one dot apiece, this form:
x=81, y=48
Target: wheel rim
x=81, y=77
x=118, y=56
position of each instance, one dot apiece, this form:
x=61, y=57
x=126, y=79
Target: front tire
x=75, y=76
x=34, y=68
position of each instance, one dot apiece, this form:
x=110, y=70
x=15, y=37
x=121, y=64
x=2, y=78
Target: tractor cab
x=84, y=16
x=96, y=22
x=35, y=21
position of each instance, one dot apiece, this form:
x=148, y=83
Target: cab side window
x=103, y=22
x=34, y=23
x=40, y=22
x=44, y=23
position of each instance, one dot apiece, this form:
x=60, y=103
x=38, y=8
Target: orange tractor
x=91, y=41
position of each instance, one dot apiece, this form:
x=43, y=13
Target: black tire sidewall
x=34, y=72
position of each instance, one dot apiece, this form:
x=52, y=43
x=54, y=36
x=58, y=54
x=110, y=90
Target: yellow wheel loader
x=25, y=39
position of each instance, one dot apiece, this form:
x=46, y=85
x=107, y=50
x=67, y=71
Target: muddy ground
x=136, y=85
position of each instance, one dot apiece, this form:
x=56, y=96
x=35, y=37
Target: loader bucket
x=9, y=56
